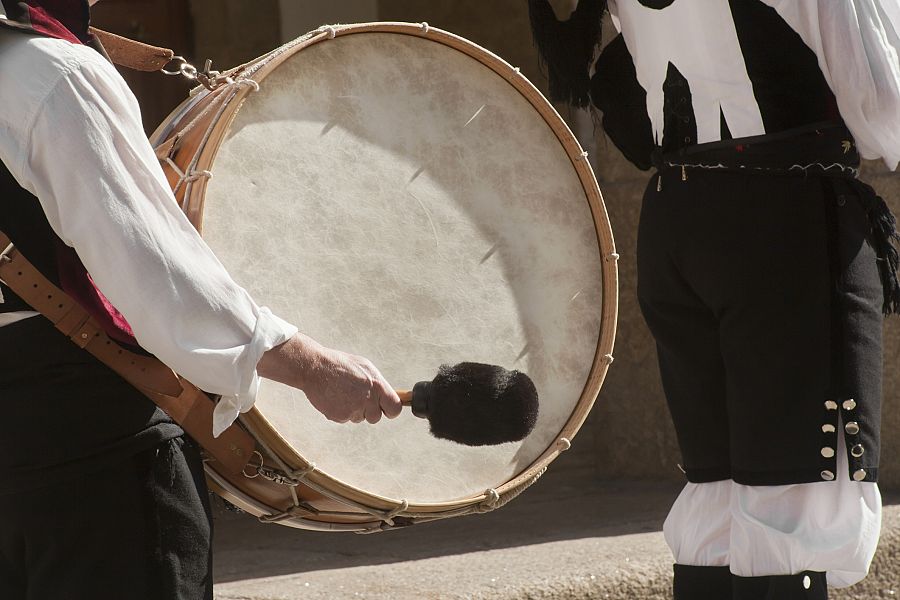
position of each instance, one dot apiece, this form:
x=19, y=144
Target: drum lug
x=212, y=79
x=207, y=77
x=398, y=523
x=274, y=475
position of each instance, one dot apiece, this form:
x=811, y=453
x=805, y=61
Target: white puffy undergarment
x=830, y=526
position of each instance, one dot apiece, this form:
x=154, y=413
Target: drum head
x=396, y=198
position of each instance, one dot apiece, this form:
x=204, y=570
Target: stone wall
x=887, y=184
x=232, y=32
x=501, y=26
x=298, y=18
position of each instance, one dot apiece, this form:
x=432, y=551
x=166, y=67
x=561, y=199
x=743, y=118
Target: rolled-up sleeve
x=857, y=43
x=104, y=193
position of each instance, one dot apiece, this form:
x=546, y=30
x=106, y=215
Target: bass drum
x=403, y=194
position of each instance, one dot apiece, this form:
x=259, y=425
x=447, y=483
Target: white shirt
x=856, y=42
x=71, y=134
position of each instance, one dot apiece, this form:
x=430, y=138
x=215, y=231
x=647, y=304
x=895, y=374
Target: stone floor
x=558, y=541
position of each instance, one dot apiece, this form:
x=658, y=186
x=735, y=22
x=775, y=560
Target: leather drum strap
x=133, y=54
x=186, y=404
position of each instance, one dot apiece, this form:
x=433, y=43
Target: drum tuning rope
x=226, y=92
x=492, y=501
x=186, y=177
x=425, y=28
x=284, y=475
x=292, y=513
x=249, y=70
x=388, y=517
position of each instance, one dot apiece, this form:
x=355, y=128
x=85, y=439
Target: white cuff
x=270, y=331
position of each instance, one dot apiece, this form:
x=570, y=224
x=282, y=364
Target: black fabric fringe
x=566, y=48
x=884, y=238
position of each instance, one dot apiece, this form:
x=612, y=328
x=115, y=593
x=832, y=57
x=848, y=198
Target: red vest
x=63, y=19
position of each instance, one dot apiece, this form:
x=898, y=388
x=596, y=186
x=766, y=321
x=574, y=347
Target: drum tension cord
x=391, y=519
x=295, y=478
x=212, y=80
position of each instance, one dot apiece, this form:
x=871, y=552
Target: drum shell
x=189, y=140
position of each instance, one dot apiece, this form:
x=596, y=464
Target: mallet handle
x=405, y=397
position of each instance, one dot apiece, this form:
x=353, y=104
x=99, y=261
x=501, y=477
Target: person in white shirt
x=764, y=264
x=128, y=513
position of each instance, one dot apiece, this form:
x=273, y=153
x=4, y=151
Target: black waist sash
x=818, y=150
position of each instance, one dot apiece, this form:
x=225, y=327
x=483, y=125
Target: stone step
x=567, y=538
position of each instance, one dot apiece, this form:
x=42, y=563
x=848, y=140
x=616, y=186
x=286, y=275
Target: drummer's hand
x=341, y=386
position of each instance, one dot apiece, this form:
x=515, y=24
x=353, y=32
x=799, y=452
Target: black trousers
x=140, y=530
x=764, y=298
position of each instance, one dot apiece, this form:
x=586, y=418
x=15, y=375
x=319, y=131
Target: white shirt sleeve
x=86, y=158
x=857, y=43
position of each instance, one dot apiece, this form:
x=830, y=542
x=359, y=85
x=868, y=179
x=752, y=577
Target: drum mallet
x=476, y=404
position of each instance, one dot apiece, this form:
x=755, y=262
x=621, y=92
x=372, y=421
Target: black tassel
x=884, y=238
x=567, y=47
